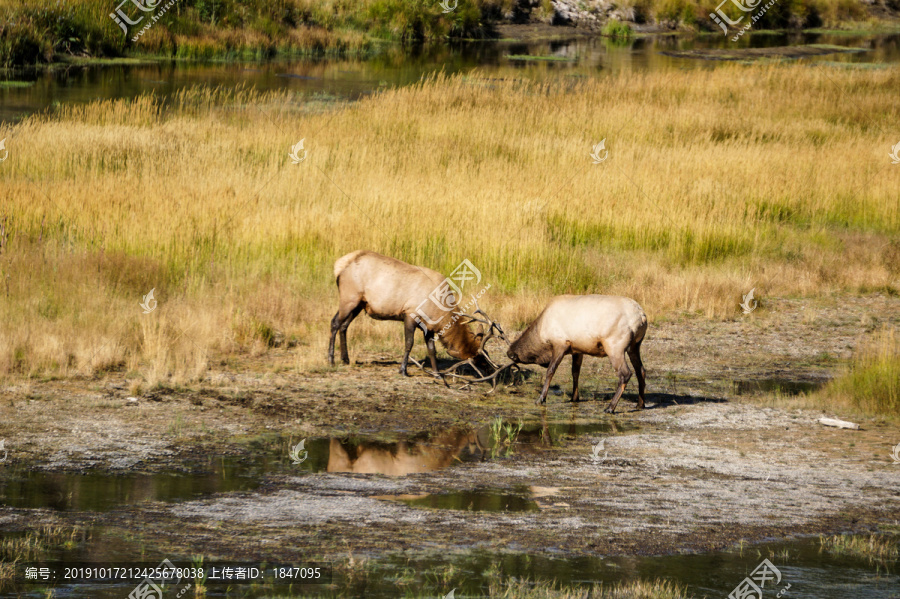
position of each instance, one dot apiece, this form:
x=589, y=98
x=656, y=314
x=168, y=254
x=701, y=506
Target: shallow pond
x=23, y=486
x=810, y=572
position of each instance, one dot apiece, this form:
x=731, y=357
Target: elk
x=389, y=289
x=593, y=325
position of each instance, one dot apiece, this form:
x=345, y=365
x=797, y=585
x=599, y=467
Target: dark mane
x=458, y=338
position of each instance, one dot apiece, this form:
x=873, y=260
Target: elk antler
x=491, y=377
x=494, y=330
x=492, y=326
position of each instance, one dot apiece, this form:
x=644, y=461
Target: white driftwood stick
x=838, y=423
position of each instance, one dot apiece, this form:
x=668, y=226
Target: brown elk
x=389, y=289
x=596, y=325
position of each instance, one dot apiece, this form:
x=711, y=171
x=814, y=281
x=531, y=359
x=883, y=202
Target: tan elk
x=593, y=325
x=389, y=289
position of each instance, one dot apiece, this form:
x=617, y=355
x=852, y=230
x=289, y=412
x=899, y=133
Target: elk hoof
x=609, y=411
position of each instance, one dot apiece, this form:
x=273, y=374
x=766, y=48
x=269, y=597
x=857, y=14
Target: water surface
x=352, y=78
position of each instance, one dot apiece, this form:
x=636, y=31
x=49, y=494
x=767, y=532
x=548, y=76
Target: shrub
x=617, y=29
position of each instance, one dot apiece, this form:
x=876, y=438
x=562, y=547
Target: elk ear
x=479, y=330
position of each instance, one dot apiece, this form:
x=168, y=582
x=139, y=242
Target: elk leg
x=339, y=323
x=345, y=352
x=635, y=355
x=409, y=333
x=576, y=371
x=335, y=325
x=624, y=374
x=551, y=370
x=429, y=344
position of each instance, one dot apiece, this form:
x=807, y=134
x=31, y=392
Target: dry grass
x=33, y=546
x=717, y=181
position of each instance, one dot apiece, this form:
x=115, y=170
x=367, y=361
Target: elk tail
x=344, y=261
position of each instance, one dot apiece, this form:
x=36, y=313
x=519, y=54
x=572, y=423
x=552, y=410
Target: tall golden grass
x=717, y=181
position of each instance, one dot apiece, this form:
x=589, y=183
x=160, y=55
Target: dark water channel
x=327, y=79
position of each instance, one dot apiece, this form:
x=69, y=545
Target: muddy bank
x=702, y=467
x=693, y=478
x=80, y=423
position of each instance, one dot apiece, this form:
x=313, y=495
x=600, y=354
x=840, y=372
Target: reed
x=882, y=549
x=638, y=589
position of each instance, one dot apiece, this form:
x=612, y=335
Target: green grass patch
x=872, y=383
x=529, y=57
x=617, y=29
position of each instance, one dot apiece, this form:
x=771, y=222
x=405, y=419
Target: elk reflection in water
x=404, y=457
x=425, y=453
